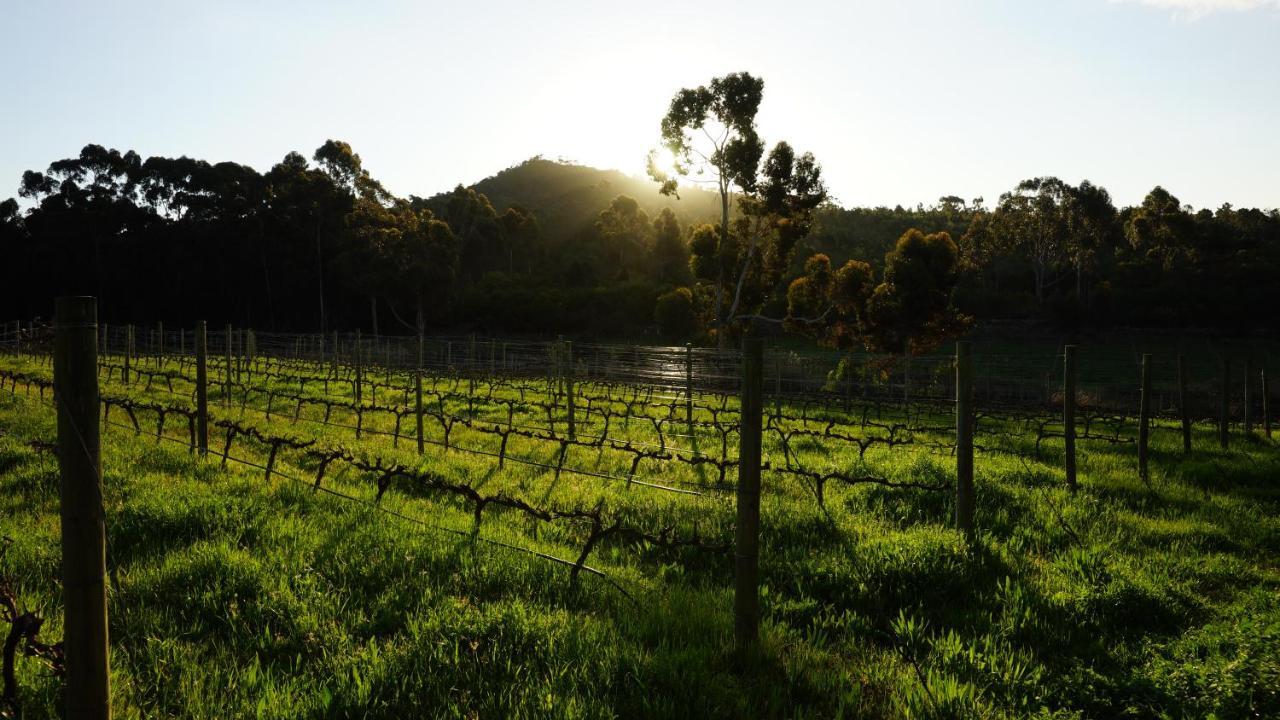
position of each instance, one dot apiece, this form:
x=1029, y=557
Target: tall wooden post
x=84, y=555
x=335, y=357
x=1248, y=399
x=226, y=394
x=906, y=381
x=746, y=595
x=1183, y=409
x=1266, y=418
x=1144, y=418
x=688, y=386
x=1224, y=408
x=568, y=386
x=159, y=344
x=1069, y=413
x=128, y=353
x=417, y=390
x=777, y=387
x=359, y=366
x=964, y=440
x=202, y=388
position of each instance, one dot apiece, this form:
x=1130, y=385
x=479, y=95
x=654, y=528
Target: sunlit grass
x=234, y=596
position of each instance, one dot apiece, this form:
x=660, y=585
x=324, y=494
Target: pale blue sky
x=902, y=101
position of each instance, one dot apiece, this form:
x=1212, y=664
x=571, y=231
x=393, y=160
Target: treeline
x=1066, y=255
x=318, y=243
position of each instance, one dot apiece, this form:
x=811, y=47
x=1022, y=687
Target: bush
x=674, y=315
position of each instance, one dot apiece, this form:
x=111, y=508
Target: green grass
x=237, y=597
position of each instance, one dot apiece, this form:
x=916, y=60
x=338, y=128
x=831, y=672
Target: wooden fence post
x=128, y=352
x=84, y=557
x=226, y=393
x=746, y=596
x=1069, y=413
x=1183, y=410
x=359, y=366
x=1248, y=398
x=1266, y=418
x=159, y=344
x=1224, y=408
x=688, y=386
x=777, y=387
x=334, y=355
x=1144, y=418
x=964, y=440
x=202, y=388
x=417, y=389
x=568, y=386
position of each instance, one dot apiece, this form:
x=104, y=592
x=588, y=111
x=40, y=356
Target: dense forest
x=553, y=247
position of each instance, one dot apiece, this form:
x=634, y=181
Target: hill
x=567, y=198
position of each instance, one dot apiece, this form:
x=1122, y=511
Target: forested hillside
x=546, y=246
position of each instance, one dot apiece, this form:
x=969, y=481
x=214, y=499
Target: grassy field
x=238, y=596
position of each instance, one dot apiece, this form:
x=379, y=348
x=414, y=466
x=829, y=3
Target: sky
x=902, y=101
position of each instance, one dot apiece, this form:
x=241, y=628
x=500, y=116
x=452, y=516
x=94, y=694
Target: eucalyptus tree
x=710, y=135
x=1034, y=218
x=1092, y=222
x=910, y=311
x=669, y=254
x=624, y=236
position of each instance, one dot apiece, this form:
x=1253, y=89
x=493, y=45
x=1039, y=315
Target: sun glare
x=662, y=162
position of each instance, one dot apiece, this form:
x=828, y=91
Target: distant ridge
x=567, y=197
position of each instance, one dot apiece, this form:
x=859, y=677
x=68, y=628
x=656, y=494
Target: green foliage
x=912, y=311
x=283, y=248
x=235, y=597
x=675, y=315
x=710, y=133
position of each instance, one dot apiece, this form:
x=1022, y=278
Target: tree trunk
x=320, y=273
x=722, y=338
x=266, y=275
x=373, y=311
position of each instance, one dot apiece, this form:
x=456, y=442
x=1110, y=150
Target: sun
x=662, y=163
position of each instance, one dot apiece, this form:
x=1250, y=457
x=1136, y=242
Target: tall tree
x=1034, y=217
x=710, y=135
x=1091, y=219
x=669, y=255
x=624, y=235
